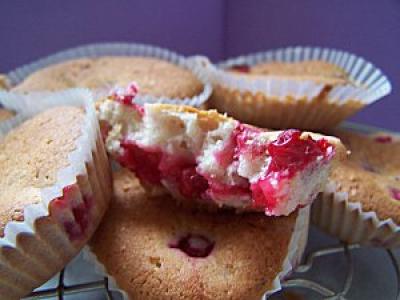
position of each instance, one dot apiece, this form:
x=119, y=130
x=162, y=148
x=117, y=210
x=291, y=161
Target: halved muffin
x=207, y=156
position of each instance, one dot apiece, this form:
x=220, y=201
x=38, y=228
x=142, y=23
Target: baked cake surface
x=155, y=77
x=319, y=71
x=156, y=250
x=371, y=175
x=31, y=155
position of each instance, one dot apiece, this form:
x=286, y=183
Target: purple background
x=216, y=28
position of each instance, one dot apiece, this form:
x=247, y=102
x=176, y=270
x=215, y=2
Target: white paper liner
x=371, y=83
x=334, y=214
x=296, y=248
x=67, y=176
x=78, y=161
x=123, y=49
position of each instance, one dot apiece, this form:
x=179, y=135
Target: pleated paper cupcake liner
x=39, y=246
x=122, y=49
x=333, y=213
x=276, y=102
x=296, y=249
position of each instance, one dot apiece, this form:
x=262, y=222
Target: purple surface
x=370, y=29
x=217, y=28
x=33, y=29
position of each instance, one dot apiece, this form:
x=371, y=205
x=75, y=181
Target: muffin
x=364, y=191
x=212, y=159
x=296, y=88
x=156, y=77
x=156, y=250
x=54, y=189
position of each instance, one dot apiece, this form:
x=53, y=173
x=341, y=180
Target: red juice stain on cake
x=192, y=184
x=395, y=193
x=225, y=156
x=218, y=189
x=76, y=228
x=242, y=140
x=194, y=245
x=151, y=165
x=289, y=154
x=181, y=171
x=144, y=162
x=383, y=139
x=241, y=68
x=127, y=96
x=81, y=213
x=247, y=142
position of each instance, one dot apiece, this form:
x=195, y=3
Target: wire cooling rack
x=325, y=292
x=293, y=282
x=63, y=290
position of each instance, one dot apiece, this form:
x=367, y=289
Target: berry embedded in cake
x=193, y=245
x=241, y=68
x=383, y=139
x=395, y=193
x=77, y=224
x=214, y=159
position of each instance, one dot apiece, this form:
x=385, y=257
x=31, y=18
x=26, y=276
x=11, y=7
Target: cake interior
x=214, y=160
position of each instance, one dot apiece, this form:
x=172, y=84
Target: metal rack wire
x=63, y=290
x=325, y=292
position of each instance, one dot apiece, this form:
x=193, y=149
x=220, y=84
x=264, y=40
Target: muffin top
x=160, y=250
x=371, y=175
x=319, y=71
x=31, y=155
x=154, y=76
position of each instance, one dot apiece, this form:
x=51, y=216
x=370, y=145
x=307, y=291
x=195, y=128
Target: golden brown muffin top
x=319, y=71
x=134, y=237
x=371, y=175
x=31, y=156
x=154, y=76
